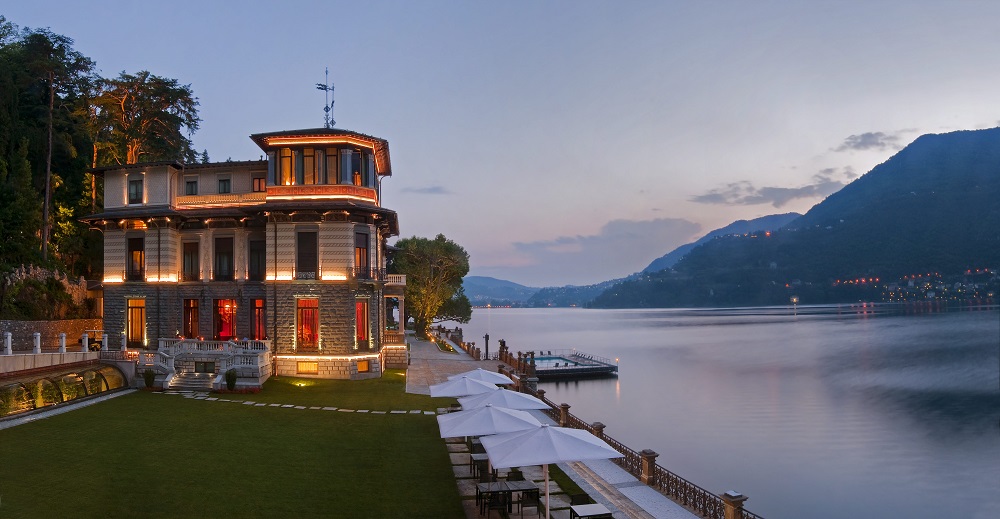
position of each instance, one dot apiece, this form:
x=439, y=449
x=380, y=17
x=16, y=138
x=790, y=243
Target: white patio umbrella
x=485, y=375
x=485, y=420
x=503, y=398
x=544, y=445
x=462, y=386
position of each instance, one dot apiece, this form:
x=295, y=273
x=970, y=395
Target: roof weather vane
x=327, y=88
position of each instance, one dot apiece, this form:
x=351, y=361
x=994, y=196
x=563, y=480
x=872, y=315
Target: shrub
x=148, y=377
x=231, y=379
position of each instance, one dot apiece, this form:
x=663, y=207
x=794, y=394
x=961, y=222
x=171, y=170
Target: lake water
x=824, y=412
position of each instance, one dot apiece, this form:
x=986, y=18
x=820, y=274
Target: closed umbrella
x=462, y=386
x=485, y=420
x=545, y=445
x=485, y=375
x=503, y=398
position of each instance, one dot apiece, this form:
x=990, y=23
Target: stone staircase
x=192, y=382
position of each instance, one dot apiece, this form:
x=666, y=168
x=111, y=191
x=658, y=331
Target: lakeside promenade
x=605, y=482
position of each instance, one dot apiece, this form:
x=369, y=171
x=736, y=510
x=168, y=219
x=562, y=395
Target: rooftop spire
x=327, y=88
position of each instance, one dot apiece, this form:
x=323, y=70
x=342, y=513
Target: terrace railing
x=368, y=274
x=691, y=496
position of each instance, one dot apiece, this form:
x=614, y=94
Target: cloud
x=429, y=190
x=824, y=183
x=870, y=141
x=620, y=248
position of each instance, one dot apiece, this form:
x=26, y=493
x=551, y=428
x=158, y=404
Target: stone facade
x=339, y=367
x=303, y=232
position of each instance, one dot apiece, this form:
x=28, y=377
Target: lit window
x=225, y=319
x=361, y=323
x=307, y=368
x=135, y=191
x=259, y=185
x=136, y=265
x=363, y=366
x=136, y=323
x=307, y=332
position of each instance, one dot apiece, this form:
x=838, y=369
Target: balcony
x=368, y=274
x=395, y=279
x=220, y=200
x=322, y=191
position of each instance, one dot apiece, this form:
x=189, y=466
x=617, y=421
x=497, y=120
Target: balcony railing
x=368, y=274
x=226, y=199
x=395, y=279
x=393, y=337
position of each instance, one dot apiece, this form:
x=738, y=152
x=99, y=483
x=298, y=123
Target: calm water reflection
x=827, y=413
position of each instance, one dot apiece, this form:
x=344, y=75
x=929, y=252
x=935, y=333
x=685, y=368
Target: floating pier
x=563, y=364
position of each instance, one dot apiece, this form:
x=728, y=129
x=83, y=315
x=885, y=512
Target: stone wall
x=22, y=340
x=395, y=357
x=332, y=367
x=76, y=288
x=11, y=363
x=165, y=307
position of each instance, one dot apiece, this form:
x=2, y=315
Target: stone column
x=85, y=342
x=563, y=415
x=124, y=343
x=598, y=429
x=62, y=343
x=541, y=394
x=6, y=344
x=37, y=340
x=104, y=342
x=733, y=502
x=648, y=465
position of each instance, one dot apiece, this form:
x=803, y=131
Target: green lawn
x=380, y=394
x=154, y=455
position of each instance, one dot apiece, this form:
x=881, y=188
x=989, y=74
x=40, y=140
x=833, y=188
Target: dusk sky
x=570, y=142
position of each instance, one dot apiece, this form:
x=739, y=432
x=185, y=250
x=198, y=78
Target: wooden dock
x=570, y=364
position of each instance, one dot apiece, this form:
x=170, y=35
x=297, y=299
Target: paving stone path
x=199, y=395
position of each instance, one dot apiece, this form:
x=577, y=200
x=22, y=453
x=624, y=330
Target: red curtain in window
x=308, y=332
x=361, y=318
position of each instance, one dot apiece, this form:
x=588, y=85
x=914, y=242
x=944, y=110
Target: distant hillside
x=483, y=290
x=569, y=295
x=934, y=207
x=764, y=223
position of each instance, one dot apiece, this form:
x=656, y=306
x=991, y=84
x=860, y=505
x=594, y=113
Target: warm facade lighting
x=169, y=278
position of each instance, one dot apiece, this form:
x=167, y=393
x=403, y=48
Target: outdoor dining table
x=519, y=487
x=477, y=463
x=591, y=510
x=484, y=490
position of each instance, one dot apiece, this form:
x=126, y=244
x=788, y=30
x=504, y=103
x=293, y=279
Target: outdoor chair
x=496, y=501
x=515, y=475
x=579, y=499
x=530, y=498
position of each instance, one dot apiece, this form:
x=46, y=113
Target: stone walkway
x=603, y=480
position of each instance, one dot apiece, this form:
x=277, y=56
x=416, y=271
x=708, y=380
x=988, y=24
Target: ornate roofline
x=322, y=136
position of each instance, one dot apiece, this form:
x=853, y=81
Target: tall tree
x=149, y=116
x=50, y=57
x=20, y=214
x=434, y=270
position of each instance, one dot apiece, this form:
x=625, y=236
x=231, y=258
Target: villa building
x=289, y=252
